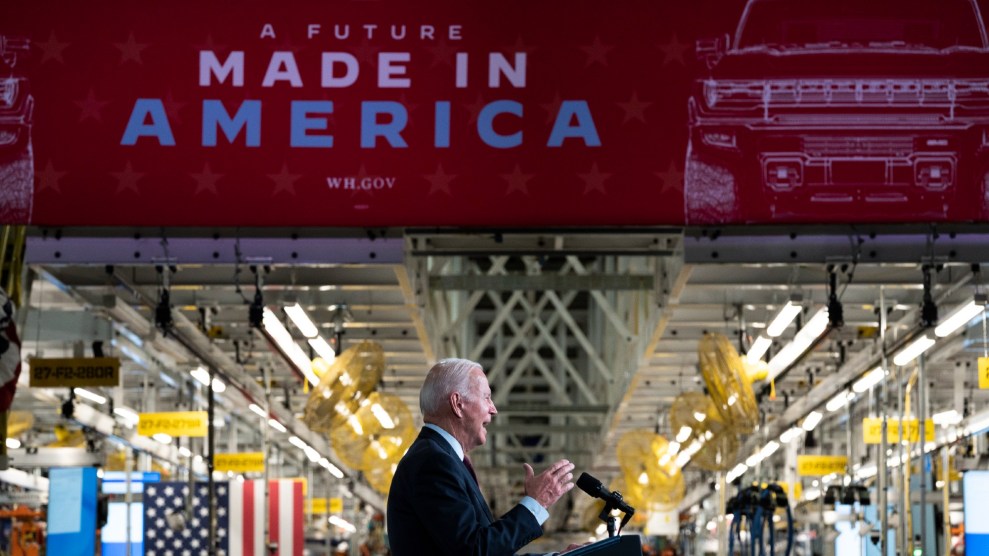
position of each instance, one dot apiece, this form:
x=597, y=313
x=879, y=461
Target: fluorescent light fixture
x=343, y=524
x=201, y=375
x=129, y=416
x=790, y=434
x=297, y=442
x=218, y=386
x=91, y=396
x=302, y=320
x=257, y=409
x=286, y=343
x=683, y=434
x=322, y=349
x=13, y=443
x=977, y=423
x=804, y=338
x=673, y=448
x=754, y=459
x=871, y=378
x=960, y=317
x=663, y=461
x=811, y=420
x=736, y=472
x=947, y=418
x=184, y=452
x=913, y=350
x=276, y=425
x=769, y=449
x=382, y=416
x=839, y=401
x=783, y=319
x=162, y=437
x=334, y=470
x=682, y=459
x=758, y=348
x=312, y=454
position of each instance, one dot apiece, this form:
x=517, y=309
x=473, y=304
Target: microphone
x=595, y=489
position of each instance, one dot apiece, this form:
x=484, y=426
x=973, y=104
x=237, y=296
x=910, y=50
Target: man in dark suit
x=435, y=506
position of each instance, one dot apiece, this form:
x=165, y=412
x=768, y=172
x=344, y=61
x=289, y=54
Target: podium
x=626, y=545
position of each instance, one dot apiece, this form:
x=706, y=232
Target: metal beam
x=541, y=282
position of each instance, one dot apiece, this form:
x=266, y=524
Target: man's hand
x=573, y=547
x=548, y=486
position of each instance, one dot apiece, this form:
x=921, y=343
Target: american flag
x=240, y=518
x=162, y=500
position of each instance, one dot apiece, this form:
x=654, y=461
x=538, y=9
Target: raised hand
x=548, y=486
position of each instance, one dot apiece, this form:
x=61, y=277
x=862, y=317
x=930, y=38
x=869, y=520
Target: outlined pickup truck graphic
x=16, y=155
x=842, y=111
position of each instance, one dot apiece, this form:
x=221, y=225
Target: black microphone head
x=588, y=483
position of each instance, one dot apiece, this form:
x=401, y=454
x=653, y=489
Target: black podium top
x=625, y=545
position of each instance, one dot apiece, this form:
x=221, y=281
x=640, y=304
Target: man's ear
x=457, y=404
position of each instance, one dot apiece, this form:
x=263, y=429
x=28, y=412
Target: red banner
x=550, y=113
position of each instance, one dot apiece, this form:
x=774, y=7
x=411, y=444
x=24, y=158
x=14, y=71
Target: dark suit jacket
x=435, y=508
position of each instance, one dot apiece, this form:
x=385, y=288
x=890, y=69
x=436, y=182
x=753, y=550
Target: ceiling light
x=312, y=454
x=811, y=420
x=297, y=442
x=790, y=434
x=322, y=349
x=769, y=449
x=977, y=423
x=334, y=470
x=257, y=409
x=218, y=386
x=286, y=343
x=804, y=338
x=356, y=425
x=758, y=348
x=786, y=315
x=753, y=460
x=184, y=452
x=700, y=416
x=276, y=425
x=839, y=401
x=946, y=418
x=162, y=437
x=872, y=378
x=129, y=416
x=961, y=316
x=302, y=320
x=201, y=375
x=913, y=350
x=736, y=472
x=12, y=443
x=643, y=478
x=93, y=397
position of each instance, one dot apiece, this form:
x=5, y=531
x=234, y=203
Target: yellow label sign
x=984, y=373
x=818, y=466
x=247, y=462
x=318, y=506
x=872, y=430
x=336, y=505
x=81, y=371
x=176, y=423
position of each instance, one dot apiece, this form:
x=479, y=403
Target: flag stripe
x=285, y=499
x=259, y=506
x=247, y=515
x=297, y=521
x=237, y=526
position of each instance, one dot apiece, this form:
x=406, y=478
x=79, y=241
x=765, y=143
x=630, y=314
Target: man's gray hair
x=446, y=377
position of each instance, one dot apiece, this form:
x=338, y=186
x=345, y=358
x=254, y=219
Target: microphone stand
x=610, y=520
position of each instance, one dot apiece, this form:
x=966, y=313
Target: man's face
x=478, y=409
